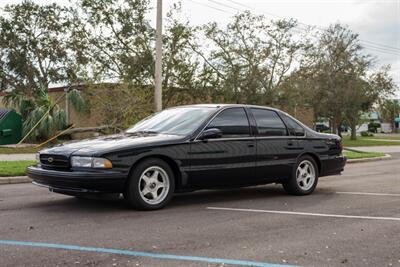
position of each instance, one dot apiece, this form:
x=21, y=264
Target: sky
x=376, y=21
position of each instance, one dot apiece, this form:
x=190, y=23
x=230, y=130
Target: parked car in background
x=320, y=127
x=190, y=148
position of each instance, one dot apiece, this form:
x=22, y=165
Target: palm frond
x=77, y=101
x=59, y=119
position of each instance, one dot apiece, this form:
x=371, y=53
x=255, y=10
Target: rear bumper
x=333, y=165
x=78, y=182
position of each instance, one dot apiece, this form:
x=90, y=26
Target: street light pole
x=158, y=66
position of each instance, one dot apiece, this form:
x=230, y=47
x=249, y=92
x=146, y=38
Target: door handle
x=250, y=144
x=290, y=143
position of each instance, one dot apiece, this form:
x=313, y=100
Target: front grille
x=54, y=162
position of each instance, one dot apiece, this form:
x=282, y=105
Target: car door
x=276, y=149
x=228, y=159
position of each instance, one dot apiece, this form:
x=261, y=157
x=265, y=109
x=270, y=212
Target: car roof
x=227, y=105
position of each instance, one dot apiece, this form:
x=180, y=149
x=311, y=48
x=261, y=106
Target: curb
x=15, y=180
x=386, y=157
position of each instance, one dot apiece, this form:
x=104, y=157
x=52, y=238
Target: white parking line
x=308, y=214
x=368, y=194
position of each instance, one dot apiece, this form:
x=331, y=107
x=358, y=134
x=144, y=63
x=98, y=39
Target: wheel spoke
x=146, y=179
x=300, y=172
x=154, y=194
x=155, y=175
x=160, y=185
x=307, y=169
x=145, y=191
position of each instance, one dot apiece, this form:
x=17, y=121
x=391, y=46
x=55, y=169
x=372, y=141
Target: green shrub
x=366, y=134
x=373, y=127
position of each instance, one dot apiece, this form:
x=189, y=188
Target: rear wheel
x=151, y=185
x=304, y=177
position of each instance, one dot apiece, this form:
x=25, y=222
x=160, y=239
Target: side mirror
x=299, y=132
x=211, y=134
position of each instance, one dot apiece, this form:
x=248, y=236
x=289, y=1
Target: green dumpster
x=10, y=126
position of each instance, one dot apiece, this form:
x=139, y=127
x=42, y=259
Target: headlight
x=81, y=162
x=90, y=162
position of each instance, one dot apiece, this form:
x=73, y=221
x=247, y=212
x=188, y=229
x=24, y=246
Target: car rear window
x=293, y=127
x=269, y=123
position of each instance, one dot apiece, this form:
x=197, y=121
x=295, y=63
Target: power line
x=378, y=45
x=224, y=5
x=239, y=4
x=380, y=50
x=389, y=50
x=212, y=7
x=389, y=47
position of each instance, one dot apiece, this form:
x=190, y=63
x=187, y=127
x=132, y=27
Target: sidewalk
x=14, y=157
x=383, y=149
x=384, y=140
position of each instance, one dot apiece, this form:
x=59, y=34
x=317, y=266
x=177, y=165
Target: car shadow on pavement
x=63, y=203
x=227, y=195
x=202, y=197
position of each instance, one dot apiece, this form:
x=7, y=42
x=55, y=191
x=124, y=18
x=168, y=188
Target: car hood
x=106, y=144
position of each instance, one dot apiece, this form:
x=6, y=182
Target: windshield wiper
x=143, y=132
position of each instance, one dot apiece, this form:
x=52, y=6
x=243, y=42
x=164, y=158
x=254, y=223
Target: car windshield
x=178, y=121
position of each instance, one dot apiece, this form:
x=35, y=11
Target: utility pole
x=158, y=69
x=66, y=89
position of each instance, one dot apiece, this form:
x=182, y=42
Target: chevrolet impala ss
x=193, y=147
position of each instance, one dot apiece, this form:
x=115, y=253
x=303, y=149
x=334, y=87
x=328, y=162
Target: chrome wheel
x=305, y=175
x=154, y=185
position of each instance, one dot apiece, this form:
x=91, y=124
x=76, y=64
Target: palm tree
x=41, y=107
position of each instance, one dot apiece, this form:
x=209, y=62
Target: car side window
x=232, y=122
x=269, y=123
x=293, y=127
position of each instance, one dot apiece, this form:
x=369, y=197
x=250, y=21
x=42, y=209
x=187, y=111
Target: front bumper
x=78, y=182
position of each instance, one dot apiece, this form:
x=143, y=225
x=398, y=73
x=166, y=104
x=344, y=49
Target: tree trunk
x=353, y=132
x=335, y=126
x=332, y=125
x=339, y=132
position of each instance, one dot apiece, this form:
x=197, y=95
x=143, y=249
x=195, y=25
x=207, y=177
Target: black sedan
x=193, y=147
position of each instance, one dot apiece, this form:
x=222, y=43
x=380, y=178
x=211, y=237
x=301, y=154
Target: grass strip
x=362, y=155
x=14, y=168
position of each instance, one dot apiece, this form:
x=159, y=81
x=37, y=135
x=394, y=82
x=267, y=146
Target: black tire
x=294, y=187
x=133, y=193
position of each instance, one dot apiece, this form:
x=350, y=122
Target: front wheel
x=304, y=177
x=150, y=185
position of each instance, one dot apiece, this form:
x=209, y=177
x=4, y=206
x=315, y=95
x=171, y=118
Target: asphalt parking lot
x=351, y=220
